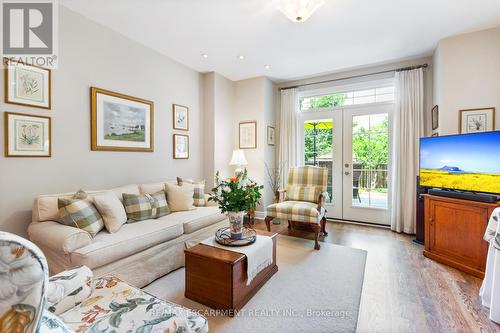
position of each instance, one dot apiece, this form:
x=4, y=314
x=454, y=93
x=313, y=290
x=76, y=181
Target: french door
x=354, y=143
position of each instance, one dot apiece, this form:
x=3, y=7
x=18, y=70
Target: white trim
x=381, y=83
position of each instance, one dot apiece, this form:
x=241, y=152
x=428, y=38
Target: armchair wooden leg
x=316, y=228
x=323, y=227
x=268, y=220
x=289, y=224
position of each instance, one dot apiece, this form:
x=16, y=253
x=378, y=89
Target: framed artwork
x=181, y=146
x=248, y=135
x=271, y=139
x=120, y=122
x=435, y=117
x=180, y=117
x=477, y=120
x=27, y=135
x=27, y=85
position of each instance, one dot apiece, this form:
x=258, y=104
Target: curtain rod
x=358, y=76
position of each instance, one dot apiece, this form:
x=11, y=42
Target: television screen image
x=469, y=162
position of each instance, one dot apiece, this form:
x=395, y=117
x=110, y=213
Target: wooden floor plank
x=403, y=290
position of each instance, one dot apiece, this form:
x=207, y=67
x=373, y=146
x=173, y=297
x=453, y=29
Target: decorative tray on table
x=223, y=237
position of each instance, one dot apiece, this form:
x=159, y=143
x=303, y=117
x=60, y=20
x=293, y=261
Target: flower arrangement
x=236, y=196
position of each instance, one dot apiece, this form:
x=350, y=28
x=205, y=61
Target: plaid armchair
x=304, y=200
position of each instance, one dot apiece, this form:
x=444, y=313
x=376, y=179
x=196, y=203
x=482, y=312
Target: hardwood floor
x=403, y=291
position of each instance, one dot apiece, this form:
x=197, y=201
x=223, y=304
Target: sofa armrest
x=58, y=237
x=209, y=203
x=68, y=289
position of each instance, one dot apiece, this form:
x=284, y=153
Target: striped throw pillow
x=303, y=193
x=141, y=207
x=199, y=190
x=80, y=213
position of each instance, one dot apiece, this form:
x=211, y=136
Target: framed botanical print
x=248, y=135
x=180, y=117
x=27, y=135
x=271, y=139
x=435, y=117
x=120, y=122
x=477, y=120
x=27, y=85
x=181, y=146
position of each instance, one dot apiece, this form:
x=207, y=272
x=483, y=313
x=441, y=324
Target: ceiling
x=343, y=34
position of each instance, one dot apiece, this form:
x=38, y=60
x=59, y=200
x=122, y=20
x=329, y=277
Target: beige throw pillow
x=180, y=198
x=112, y=211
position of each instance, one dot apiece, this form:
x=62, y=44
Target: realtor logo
x=29, y=31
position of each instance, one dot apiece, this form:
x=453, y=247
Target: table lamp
x=239, y=160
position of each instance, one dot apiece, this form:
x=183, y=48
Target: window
x=375, y=95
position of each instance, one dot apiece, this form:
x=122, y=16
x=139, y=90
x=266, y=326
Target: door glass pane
x=370, y=153
x=318, y=147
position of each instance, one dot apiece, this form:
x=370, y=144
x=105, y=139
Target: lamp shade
x=238, y=158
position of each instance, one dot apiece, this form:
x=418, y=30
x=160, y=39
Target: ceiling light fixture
x=241, y=57
x=267, y=66
x=204, y=55
x=299, y=10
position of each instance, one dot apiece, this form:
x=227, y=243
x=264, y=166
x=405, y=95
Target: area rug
x=313, y=291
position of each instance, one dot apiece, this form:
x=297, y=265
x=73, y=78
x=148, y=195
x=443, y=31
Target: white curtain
x=287, y=149
x=408, y=128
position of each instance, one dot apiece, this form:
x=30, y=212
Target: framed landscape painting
x=181, y=117
x=121, y=122
x=181, y=146
x=27, y=135
x=27, y=85
x=477, y=120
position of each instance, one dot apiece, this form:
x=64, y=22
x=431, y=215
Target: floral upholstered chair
x=304, y=200
x=72, y=301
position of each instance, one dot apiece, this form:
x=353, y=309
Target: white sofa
x=138, y=253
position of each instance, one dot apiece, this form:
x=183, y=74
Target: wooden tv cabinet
x=454, y=230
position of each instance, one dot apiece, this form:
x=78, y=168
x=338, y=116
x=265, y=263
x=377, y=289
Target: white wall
x=91, y=55
x=467, y=75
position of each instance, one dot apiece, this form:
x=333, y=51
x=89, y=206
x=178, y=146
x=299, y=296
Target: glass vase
x=236, y=224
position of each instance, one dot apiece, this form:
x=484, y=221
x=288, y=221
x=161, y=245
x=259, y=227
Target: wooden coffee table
x=217, y=277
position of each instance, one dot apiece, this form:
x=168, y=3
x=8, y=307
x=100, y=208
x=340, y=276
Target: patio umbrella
x=316, y=125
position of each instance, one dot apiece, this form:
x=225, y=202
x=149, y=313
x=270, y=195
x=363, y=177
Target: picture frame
x=180, y=117
x=120, y=122
x=28, y=85
x=27, y=135
x=476, y=120
x=435, y=117
x=271, y=136
x=180, y=146
x=248, y=135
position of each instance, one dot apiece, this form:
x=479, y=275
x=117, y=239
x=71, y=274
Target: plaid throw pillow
x=303, y=193
x=141, y=207
x=199, y=190
x=80, y=213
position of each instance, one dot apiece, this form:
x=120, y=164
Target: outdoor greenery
x=371, y=148
x=322, y=102
x=236, y=194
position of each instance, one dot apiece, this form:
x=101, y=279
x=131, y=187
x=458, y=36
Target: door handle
x=347, y=173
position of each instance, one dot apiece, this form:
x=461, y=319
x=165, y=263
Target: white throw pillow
x=112, y=211
x=180, y=198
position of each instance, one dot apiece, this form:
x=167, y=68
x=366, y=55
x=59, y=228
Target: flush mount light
x=267, y=66
x=241, y=57
x=204, y=55
x=299, y=10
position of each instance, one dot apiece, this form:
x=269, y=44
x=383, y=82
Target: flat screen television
x=467, y=162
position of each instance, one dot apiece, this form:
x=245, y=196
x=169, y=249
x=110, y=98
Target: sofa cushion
x=151, y=188
x=80, y=213
x=112, y=211
x=141, y=207
x=197, y=219
x=132, y=189
x=198, y=188
x=119, y=307
x=131, y=238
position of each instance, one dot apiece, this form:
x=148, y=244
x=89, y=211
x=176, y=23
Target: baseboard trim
x=368, y=224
